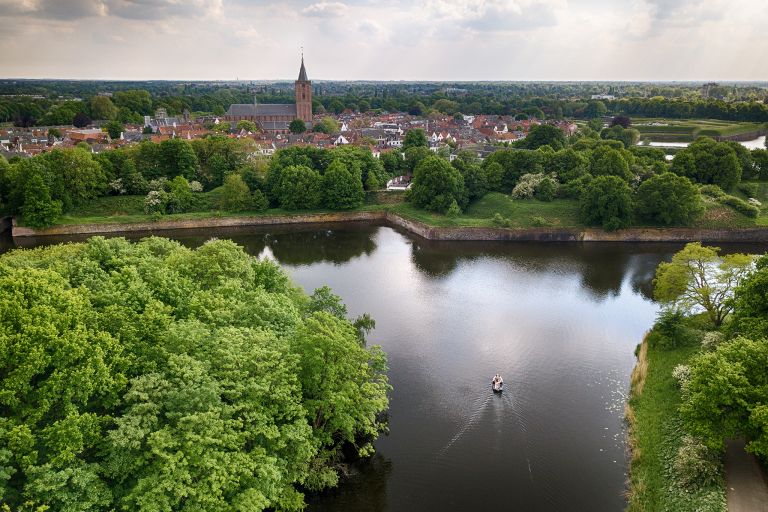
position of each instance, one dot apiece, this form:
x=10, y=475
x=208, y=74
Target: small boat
x=497, y=386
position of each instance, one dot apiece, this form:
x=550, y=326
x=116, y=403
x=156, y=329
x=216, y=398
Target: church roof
x=262, y=109
x=303, y=72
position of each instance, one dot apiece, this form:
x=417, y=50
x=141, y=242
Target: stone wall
x=747, y=235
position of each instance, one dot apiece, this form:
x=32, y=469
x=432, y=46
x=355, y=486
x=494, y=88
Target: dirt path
x=746, y=485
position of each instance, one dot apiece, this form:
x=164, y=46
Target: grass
x=655, y=436
x=686, y=130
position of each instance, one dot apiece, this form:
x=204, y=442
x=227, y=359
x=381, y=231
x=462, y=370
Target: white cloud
x=325, y=9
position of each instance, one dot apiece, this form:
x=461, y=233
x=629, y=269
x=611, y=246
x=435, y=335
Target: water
x=558, y=321
x=758, y=143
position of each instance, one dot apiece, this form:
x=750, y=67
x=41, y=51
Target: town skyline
x=468, y=41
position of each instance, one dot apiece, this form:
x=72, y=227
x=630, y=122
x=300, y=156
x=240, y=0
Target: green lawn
x=686, y=130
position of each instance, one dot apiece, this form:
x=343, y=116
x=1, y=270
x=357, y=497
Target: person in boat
x=497, y=382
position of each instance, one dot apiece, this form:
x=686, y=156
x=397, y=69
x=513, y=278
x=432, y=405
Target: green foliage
x=697, y=465
x=342, y=190
x=103, y=108
x=259, y=201
x=543, y=135
x=436, y=184
x=248, y=126
x=546, y=189
x=740, y=206
x=453, y=210
x=725, y=397
x=607, y=161
x=668, y=199
x=575, y=188
x=748, y=189
x=299, y=188
x=415, y=138
x=628, y=137
x=750, y=316
x=153, y=377
x=475, y=181
x=698, y=279
x=177, y=158
x=114, y=129
x=235, y=195
x=567, y=164
x=180, y=195
x=297, y=126
x=514, y=163
x=670, y=331
x=39, y=210
x=327, y=125
x=712, y=191
x=706, y=161
x=607, y=201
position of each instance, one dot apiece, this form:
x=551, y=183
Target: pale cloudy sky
x=389, y=40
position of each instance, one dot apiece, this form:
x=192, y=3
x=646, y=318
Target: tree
x=668, y=199
x=699, y=279
x=103, y=108
x=567, y=164
x=299, y=187
x=725, y=395
x=606, y=161
x=341, y=189
x=415, y=138
x=543, y=135
x=413, y=156
x=750, y=310
x=179, y=195
x=114, y=129
x=81, y=120
x=248, y=126
x=297, y=126
x=393, y=162
x=326, y=125
x=595, y=109
x=607, y=200
x=475, y=181
x=136, y=101
x=235, y=195
x=178, y=158
x=436, y=184
x=708, y=162
x=39, y=210
x=628, y=137
x=623, y=121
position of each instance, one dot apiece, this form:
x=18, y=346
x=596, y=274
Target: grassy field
x=655, y=437
x=686, y=130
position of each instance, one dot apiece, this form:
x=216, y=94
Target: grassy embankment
x=686, y=130
x=655, y=435
x=518, y=214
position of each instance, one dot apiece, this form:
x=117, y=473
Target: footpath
x=746, y=485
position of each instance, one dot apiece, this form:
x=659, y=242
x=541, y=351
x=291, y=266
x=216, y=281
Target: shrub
x=573, y=189
x=740, y=206
x=607, y=201
x=259, y=201
x=748, y=189
x=670, y=331
x=696, y=465
x=500, y=221
x=712, y=191
x=711, y=340
x=539, y=222
x=526, y=186
x=235, y=196
x=682, y=374
x=453, y=210
x=545, y=191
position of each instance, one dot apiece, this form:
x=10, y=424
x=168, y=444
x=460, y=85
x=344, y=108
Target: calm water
x=758, y=143
x=559, y=322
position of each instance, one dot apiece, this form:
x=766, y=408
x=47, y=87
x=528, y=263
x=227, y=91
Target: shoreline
x=756, y=234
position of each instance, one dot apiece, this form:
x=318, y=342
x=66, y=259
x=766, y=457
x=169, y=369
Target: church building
x=275, y=117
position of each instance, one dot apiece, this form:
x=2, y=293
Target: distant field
x=686, y=130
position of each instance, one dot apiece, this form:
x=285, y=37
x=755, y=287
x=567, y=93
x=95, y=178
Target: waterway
x=758, y=143
x=558, y=321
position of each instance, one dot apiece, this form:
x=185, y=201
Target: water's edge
x=758, y=234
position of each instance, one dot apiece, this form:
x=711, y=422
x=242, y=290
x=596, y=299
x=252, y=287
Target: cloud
x=53, y=9
x=325, y=10
x=65, y=10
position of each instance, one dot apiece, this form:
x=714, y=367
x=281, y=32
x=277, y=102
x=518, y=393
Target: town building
x=275, y=117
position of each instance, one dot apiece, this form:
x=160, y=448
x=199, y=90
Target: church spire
x=303, y=71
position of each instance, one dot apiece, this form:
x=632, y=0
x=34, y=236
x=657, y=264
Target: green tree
x=114, y=129
x=299, y=187
x=708, y=162
x=297, y=126
x=567, y=165
x=595, y=109
x=103, y=108
x=607, y=161
x=248, y=126
x=725, y=396
x=627, y=136
x=699, y=279
x=138, y=101
x=436, y=184
x=607, y=201
x=415, y=138
x=39, y=210
x=341, y=189
x=179, y=195
x=178, y=158
x=668, y=199
x=326, y=125
x=235, y=195
x=750, y=311
x=543, y=135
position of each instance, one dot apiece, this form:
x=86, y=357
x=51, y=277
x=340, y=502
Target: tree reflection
x=330, y=245
x=366, y=488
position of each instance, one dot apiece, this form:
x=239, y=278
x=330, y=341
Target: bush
x=607, y=201
x=526, y=186
x=539, y=222
x=711, y=340
x=573, y=189
x=712, y=191
x=682, y=374
x=748, y=189
x=697, y=465
x=670, y=331
x=500, y=221
x=740, y=206
x=235, y=196
x=453, y=210
x=546, y=189
x=259, y=201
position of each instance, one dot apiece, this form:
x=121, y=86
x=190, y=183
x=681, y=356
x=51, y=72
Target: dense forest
x=148, y=376
x=57, y=102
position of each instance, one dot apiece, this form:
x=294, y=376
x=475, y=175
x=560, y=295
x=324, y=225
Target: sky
x=456, y=40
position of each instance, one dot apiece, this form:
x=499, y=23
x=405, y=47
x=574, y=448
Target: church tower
x=304, y=96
